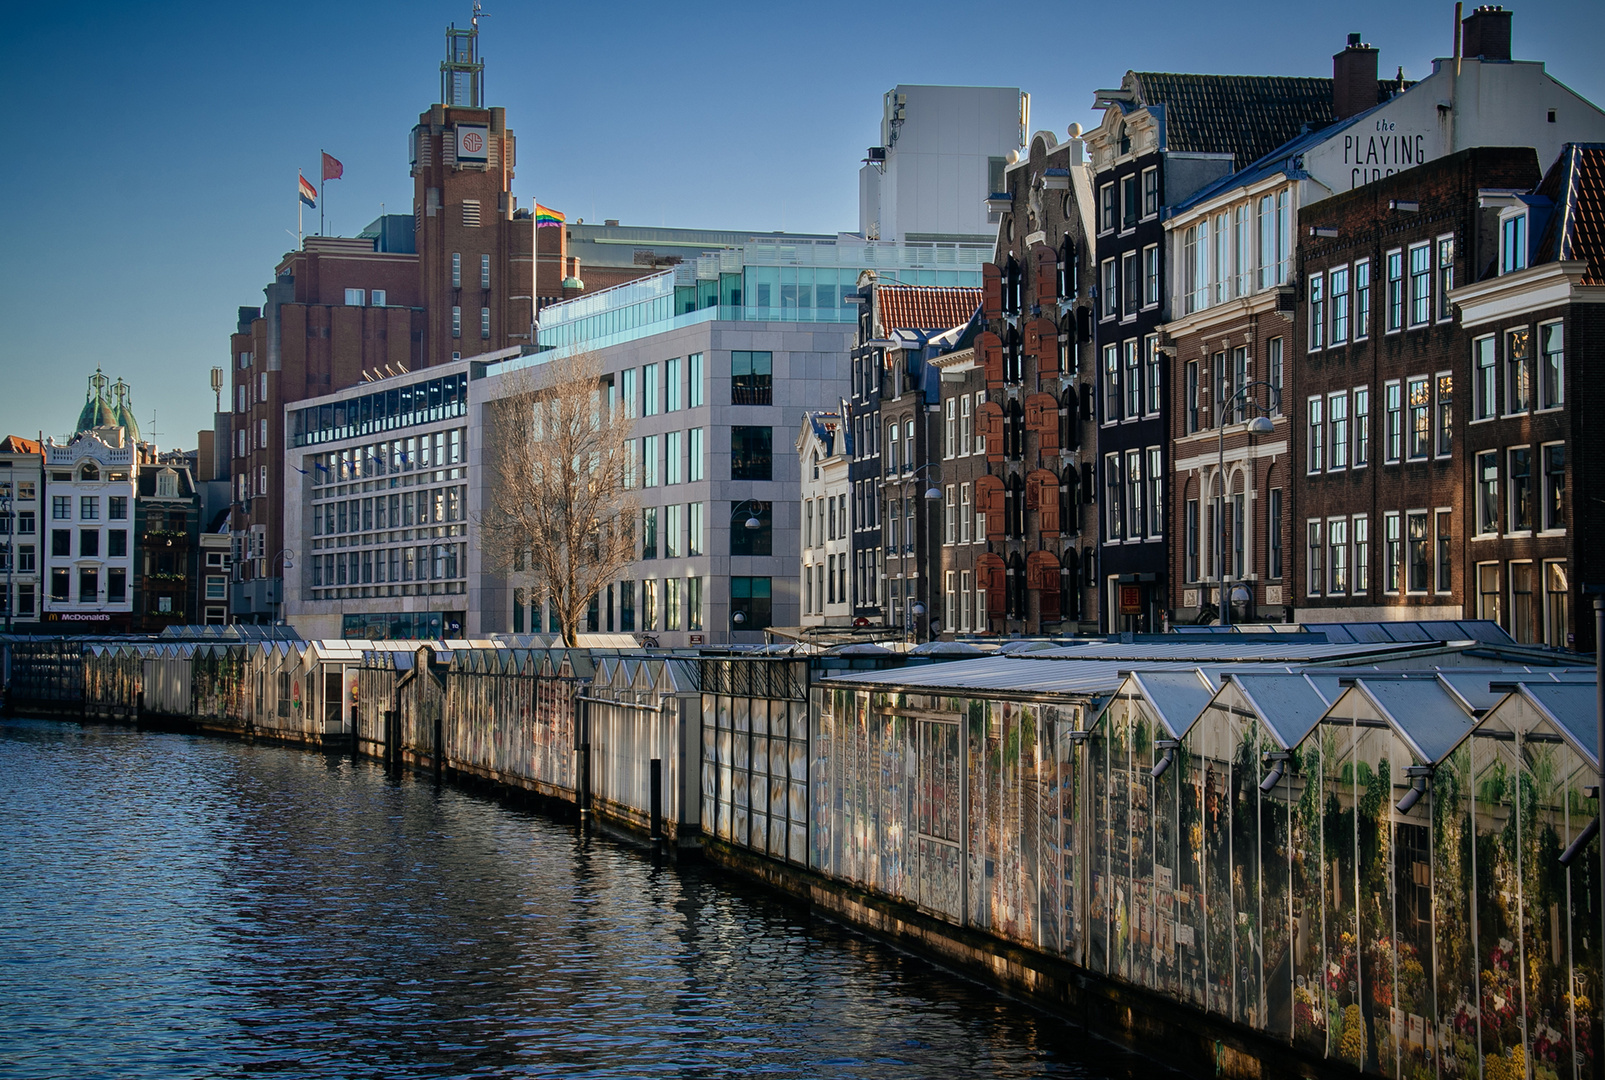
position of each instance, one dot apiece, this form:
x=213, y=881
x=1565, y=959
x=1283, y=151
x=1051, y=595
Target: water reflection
x=179, y=907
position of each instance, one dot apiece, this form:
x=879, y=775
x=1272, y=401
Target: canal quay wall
x=1264, y=910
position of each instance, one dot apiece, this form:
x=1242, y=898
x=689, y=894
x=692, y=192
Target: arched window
x=1125, y=138
x=89, y=471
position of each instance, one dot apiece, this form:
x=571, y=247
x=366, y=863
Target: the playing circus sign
x=473, y=142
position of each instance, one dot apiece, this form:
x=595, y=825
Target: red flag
x=332, y=168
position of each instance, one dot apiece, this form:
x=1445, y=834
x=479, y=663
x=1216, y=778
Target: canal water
x=173, y=906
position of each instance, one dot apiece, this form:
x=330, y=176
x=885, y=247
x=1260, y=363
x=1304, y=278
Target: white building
x=21, y=485
x=822, y=460
x=88, y=559
x=943, y=150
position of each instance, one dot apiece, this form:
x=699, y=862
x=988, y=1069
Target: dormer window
x=167, y=484
x=89, y=471
x=1513, y=243
x=1125, y=138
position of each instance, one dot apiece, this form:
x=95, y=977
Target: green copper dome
x=125, y=410
x=97, y=410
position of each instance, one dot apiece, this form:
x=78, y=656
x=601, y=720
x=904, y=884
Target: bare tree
x=561, y=519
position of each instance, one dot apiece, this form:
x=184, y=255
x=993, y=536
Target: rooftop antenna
x=462, y=72
x=217, y=387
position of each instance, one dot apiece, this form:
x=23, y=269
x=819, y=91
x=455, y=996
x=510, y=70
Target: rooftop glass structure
x=790, y=280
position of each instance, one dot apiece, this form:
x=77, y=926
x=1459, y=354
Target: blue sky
x=152, y=176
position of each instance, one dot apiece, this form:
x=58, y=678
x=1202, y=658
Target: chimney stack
x=1354, y=79
x=1486, y=33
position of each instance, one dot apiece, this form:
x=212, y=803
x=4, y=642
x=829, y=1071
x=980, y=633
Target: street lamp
x=915, y=610
x=284, y=558
x=752, y=515
x=1259, y=425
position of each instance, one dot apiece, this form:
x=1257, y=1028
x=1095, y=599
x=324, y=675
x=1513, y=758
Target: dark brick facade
x=1381, y=465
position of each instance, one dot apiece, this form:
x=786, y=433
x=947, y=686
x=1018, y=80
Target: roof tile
x=925, y=307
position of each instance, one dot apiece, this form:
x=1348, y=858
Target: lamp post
x=913, y=545
x=11, y=551
x=752, y=508
x=284, y=559
x=1259, y=425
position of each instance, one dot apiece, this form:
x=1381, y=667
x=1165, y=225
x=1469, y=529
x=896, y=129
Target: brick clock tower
x=475, y=247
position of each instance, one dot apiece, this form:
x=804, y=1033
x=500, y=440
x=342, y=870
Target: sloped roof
x=16, y=444
x=925, y=307
x=1247, y=116
x=1575, y=184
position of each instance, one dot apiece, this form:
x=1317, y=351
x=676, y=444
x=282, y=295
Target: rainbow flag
x=547, y=216
x=309, y=194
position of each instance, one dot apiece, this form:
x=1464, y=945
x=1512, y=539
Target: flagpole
x=300, y=214
x=324, y=182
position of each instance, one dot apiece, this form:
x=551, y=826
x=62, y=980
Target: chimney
x=1354, y=79
x=1485, y=33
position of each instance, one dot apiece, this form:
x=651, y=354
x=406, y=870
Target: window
x=950, y=429
x=673, y=458
x=1243, y=250
x=456, y=270
x=1420, y=284
x=1150, y=192
x=693, y=603
x=751, y=378
x=1273, y=355
x=965, y=441
x=1513, y=243
x=1190, y=570
x=649, y=390
x=456, y=322
x=355, y=297
x=750, y=453
x=750, y=598
x=1392, y=552
x=694, y=455
x=61, y=507
x=1128, y=201
x=1111, y=483
x=1317, y=311
x=1521, y=488
x=484, y=271
x=1487, y=486
x=1554, y=465
x=1317, y=560
x=1109, y=299
x=1395, y=261
x=1551, y=366
x=88, y=584
x=649, y=532
x=980, y=435
x=649, y=461
x=1518, y=371
x=88, y=507
x=60, y=583
x=1339, y=282
x=1443, y=551
x=1557, y=605
x=1521, y=602
x=1106, y=207
x=1136, y=525
x=1337, y=561
x=1150, y=275
x=1223, y=257
x=1362, y=426
x=1111, y=383
x=25, y=523
x=1190, y=395
x=378, y=298
x=673, y=391
x=1488, y=591
x=694, y=392
x=61, y=543
x=1443, y=406
x=1362, y=299
x=484, y=323
x=1156, y=493
x=964, y=513
x=1130, y=283
x=1133, y=378
x=649, y=604
x=627, y=391
x=1337, y=407
x=1446, y=276
x=1485, y=378
x=1362, y=554
x=1273, y=533
x=1420, y=421
x=1420, y=554
x=1317, y=432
